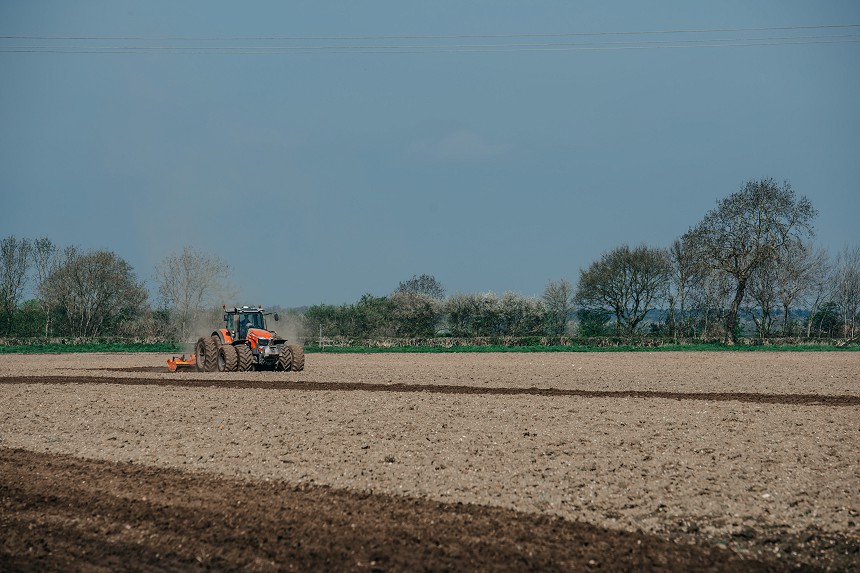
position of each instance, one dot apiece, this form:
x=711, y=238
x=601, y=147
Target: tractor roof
x=247, y=309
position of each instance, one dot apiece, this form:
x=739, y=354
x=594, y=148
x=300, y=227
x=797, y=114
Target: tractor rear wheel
x=285, y=360
x=206, y=352
x=228, y=358
x=245, y=358
x=298, y=354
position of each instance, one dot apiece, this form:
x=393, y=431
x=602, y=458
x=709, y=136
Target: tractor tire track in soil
x=62, y=513
x=749, y=397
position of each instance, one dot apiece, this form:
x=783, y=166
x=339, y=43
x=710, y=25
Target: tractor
x=245, y=343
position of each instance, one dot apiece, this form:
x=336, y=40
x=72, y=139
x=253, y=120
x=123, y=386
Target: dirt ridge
x=121, y=516
x=309, y=385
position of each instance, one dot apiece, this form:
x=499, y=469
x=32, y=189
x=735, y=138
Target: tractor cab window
x=250, y=320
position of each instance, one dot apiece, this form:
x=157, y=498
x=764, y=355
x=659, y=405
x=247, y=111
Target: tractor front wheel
x=245, y=357
x=285, y=360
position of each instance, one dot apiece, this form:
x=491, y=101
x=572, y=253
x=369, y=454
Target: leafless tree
x=749, y=229
x=627, y=283
x=14, y=263
x=799, y=268
x=95, y=291
x=819, y=290
x=684, y=271
x=763, y=298
x=47, y=260
x=558, y=299
x=846, y=292
x=188, y=284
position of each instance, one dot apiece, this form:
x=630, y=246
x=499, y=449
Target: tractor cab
x=240, y=320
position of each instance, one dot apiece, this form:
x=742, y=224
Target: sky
x=329, y=149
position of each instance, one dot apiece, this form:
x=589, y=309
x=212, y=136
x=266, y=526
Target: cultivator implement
x=182, y=363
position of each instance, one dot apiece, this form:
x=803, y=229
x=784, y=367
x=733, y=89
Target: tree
x=46, y=261
x=558, y=298
x=800, y=269
x=819, y=290
x=684, y=271
x=826, y=321
x=763, y=293
x=517, y=315
x=625, y=282
x=846, y=289
x=95, y=292
x=414, y=314
x=188, y=284
x=748, y=230
x=425, y=284
x=14, y=263
x=709, y=299
x=372, y=316
x=592, y=322
x=487, y=314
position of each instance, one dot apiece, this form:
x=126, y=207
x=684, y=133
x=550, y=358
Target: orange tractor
x=244, y=344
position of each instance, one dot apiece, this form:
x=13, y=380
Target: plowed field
x=613, y=462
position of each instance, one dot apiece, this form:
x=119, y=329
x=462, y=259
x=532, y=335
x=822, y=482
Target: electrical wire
x=445, y=46
x=432, y=37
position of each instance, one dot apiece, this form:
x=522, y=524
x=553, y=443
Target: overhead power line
x=675, y=39
x=430, y=37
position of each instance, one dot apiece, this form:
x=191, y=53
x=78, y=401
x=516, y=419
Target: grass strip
x=163, y=347
x=580, y=348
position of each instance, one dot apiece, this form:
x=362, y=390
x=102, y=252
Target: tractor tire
x=228, y=358
x=298, y=355
x=285, y=360
x=206, y=354
x=245, y=358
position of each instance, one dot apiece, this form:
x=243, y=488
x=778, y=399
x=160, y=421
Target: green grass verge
x=624, y=348
x=163, y=347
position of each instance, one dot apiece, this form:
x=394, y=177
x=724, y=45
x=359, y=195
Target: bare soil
x=621, y=461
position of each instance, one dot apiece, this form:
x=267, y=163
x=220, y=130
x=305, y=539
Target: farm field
x=619, y=461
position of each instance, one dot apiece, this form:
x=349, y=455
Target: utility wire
x=431, y=47
x=428, y=37
x=444, y=47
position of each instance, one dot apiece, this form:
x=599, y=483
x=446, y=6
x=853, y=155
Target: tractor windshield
x=252, y=319
x=248, y=320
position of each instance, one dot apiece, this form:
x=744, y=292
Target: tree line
x=749, y=267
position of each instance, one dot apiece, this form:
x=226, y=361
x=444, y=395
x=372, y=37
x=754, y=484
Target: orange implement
x=174, y=363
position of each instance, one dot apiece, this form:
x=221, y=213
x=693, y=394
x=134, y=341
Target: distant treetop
x=425, y=284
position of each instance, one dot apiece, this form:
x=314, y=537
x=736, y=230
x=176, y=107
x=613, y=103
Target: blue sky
x=321, y=176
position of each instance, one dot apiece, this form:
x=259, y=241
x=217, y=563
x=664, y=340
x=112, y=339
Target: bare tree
x=95, y=291
x=763, y=293
x=819, y=289
x=684, y=271
x=709, y=297
x=799, y=268
x=627, y=283
x=749, y=229
x=188, y=284
x=846, y=292
x=47, y=261
x=14, y=263
x=558, y=298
